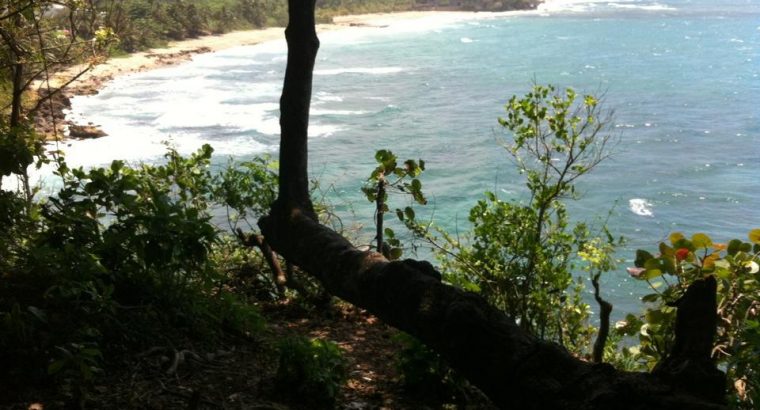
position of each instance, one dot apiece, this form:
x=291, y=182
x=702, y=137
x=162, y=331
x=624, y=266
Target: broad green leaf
x=701, y=241
x=409, y=212
x=651, y=274
x=655, y=316
x=642, y=257
x=675, y=237
x=666, y=250
x=38, y=313
x=56, y=366
x=722, y=271
x=754, y=236
x=650, y=298
x=396, y=253
x=684, y=243
x=734, y=246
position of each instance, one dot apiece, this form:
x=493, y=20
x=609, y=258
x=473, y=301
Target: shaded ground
x=239, y=374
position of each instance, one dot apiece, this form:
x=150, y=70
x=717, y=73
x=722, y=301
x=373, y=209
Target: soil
x=239, y=374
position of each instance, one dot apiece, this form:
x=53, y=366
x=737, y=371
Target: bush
x=425, y=374
x=119, y=259
x=310, y=370
x=736, y=266
x=521, y=255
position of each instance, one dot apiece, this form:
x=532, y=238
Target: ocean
x=682, y=77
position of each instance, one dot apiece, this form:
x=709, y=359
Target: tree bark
x=303, y=44
x=605, y=308
x=515, y=369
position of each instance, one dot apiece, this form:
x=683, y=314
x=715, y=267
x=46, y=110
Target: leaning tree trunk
x=515, y=369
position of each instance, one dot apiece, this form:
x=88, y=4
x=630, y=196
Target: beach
x=88, y=79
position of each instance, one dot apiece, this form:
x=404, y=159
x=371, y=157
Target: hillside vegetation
x=147, y=23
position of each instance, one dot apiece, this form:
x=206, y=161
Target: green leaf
x=675, y=237
x=656, y=316
x=754, y=236
x=650, y=298
x=395, y=254
x=701, y=241
x=55, y=367
x=650, y=274
x=722, y=269
x=642, y=257
x=666, y=250
x=400, y=215
x=409, y=212
x=684, y=243
x=38, y=313
x=389, y=234
x=734, y=246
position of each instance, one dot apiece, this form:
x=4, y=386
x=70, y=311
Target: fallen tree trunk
x=515, y=369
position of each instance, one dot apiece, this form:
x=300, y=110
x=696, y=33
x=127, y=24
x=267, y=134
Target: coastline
x=91, y=79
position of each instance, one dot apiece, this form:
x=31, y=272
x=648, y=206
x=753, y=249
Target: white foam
x=646, y=7
x=465, y=40
x=323, y=130
x=581, y=6
x=554, y=6
x=318, y=112
x=359, y=70
x=328, y=97
x=640, y=207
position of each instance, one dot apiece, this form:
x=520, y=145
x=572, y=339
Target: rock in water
x=85, y=131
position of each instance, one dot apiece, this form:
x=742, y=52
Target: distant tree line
x=140, y=24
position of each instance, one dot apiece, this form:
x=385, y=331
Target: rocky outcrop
x=85, y=131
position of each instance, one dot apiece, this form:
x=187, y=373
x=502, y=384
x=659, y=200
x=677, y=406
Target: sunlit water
x=681, y=76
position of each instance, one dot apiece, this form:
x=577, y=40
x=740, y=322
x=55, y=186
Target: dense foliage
x=310, y=370
x=528, y=259
x=736, y=265
x=522, y=255
x=122, y=258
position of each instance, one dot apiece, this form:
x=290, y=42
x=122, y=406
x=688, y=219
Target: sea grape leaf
x=754, y=236
x=675, y=237
x=734, y=246
x=650, y=298
x=642, y=257
x=666, y=250
x=700, y=241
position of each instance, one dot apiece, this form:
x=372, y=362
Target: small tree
x=522, y=254
x=389, y=177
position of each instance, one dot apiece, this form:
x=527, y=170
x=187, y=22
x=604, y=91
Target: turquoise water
x=681, y=76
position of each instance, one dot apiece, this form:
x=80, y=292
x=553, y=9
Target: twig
x=605, y=308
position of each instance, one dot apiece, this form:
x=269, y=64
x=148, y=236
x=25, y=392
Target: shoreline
x=54, y=125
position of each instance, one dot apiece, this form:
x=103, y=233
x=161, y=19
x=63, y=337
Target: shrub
x=736, y=266
x=119, y=259
x=312, y=370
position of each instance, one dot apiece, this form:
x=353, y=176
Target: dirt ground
x=239, y=374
